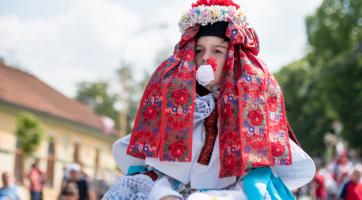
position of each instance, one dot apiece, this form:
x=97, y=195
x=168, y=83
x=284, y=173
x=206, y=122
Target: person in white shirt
x=9, y=191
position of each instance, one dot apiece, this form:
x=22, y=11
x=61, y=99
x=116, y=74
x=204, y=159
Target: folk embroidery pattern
x=253, y=126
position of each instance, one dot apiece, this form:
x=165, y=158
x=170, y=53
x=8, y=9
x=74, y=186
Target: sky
x=68, y=41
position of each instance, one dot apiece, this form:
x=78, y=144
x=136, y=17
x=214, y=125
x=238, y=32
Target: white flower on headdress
x=204, y=75
x=204, y=15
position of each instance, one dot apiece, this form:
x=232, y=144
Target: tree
x=133, y=90
x=342, y=82
x=306, y=109
x=335, y=38
x=335, y=29
x=97, y=95
x=28, y=132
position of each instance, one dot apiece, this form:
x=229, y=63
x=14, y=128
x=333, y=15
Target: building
x=73, y=132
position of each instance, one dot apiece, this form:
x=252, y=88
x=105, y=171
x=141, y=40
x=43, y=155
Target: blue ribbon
x=136, y=169
x=260, y=181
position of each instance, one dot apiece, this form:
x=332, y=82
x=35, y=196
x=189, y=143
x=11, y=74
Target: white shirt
x=201, y=176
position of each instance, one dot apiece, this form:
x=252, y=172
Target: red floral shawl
x=253, y=128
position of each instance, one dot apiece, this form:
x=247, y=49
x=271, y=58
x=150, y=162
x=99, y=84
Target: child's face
x=212, y=47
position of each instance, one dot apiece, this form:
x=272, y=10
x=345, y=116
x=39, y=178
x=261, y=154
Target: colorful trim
x=204, y=15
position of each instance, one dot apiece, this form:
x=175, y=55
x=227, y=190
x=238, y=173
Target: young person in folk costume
x=211, y=123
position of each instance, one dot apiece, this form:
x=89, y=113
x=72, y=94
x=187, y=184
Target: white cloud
x=89, y=38
x=281, y=28
x=83, y=43
x=280, y=25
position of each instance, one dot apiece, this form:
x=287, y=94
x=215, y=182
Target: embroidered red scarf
x=253, y=129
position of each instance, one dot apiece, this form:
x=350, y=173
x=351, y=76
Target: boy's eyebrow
x=219, y=45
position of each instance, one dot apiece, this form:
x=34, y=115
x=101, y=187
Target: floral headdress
x=253, y=128
x=208, y=12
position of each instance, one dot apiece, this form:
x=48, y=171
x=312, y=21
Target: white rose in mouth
x=204, y=75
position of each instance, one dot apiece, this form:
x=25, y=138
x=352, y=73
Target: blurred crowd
x=334, y=180
x=75, y=185
x=337, y=179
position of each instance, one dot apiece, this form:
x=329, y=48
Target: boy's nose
x=205, y=57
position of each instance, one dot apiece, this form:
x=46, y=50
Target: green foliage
x=306, y=106
x=326, y=85
x=335, y=36
x=96, y=95
x=335, y=29
x=133, y=92
x=28, y=132
x=342, y=83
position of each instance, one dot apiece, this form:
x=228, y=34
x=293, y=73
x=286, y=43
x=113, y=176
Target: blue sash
x=260, y=182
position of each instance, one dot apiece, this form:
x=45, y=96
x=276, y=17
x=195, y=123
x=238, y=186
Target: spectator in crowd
x=70, y=192
x=319, y=183
x=352, y=190
x=73, y=174
x=324, y=184
x=36, y=180
x=330, y=183
x=9, y=191
x=341, y=167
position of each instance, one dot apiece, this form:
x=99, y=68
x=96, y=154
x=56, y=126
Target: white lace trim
x=204, y=106
x=130, y=188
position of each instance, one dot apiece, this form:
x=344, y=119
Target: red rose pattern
x=181, y=96
x=232, y=163
x=252, y=89
x=227, y=111
x=178, y=121
x=256, y=117
x=185, y=75
x=273, y=103
x=150, y=112
x=277, y=149
x=189, y=55
x=229, y=139
x=229, y=163
x=177, y=149
x=145, y=137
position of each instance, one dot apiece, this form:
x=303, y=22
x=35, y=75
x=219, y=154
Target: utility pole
x=123, y=106
x=123, y=74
